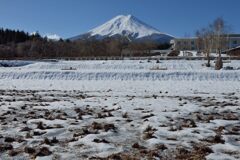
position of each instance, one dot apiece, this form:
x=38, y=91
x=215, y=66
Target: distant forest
x=16, y=44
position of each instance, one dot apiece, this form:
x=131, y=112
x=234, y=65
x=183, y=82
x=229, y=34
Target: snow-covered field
x=119, y=70
x=119, y=110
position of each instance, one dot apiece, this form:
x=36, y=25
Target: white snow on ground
x=193, y=53
x=120, y=70
x=185, y=103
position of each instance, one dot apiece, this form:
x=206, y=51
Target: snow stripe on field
x=157, y=76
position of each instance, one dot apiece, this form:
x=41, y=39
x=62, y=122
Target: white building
x=183, y=44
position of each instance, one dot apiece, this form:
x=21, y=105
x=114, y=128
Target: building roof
x=232, y=49
x=185, y=38
x=190, y=38
x=234, y=35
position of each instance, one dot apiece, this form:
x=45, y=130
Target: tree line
x=15, y=36
x=19, y=44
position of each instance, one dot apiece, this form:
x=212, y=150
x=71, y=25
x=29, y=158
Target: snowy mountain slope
x=53, y=37
x=127, y=26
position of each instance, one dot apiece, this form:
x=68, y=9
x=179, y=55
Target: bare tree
x=205, y=42
x=220, y=37
x=214, y=38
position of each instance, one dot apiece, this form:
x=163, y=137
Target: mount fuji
x=126, y=26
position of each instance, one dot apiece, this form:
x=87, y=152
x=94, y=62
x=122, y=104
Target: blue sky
x=68, y=18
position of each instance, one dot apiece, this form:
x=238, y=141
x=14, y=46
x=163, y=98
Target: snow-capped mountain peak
x=126, y=25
